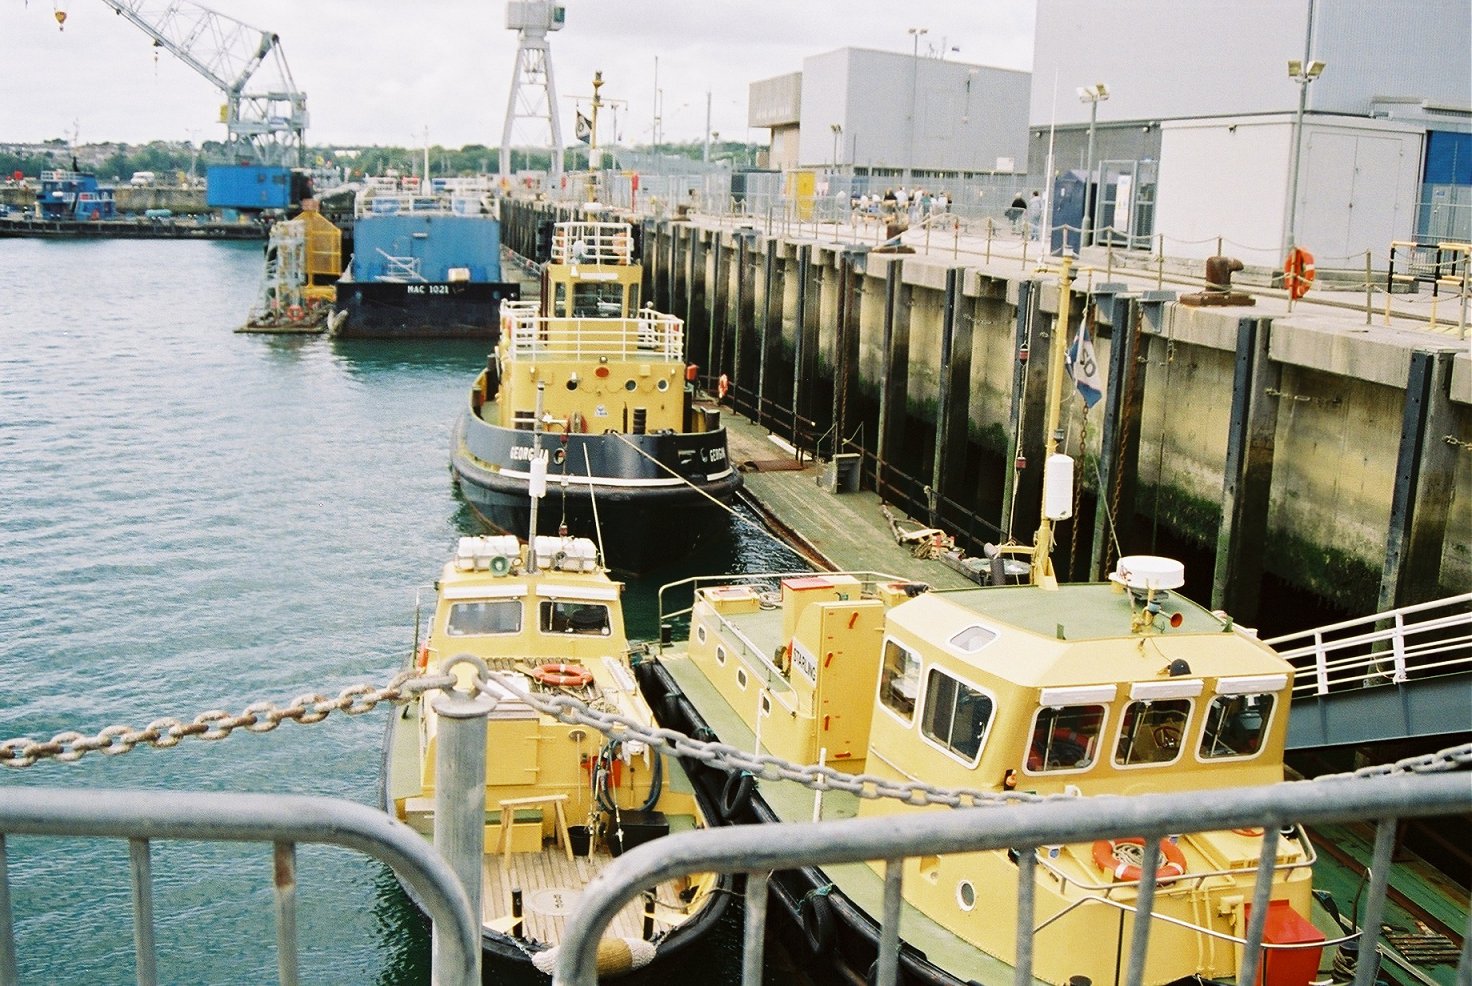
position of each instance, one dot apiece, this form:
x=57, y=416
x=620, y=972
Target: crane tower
x=263, y=126
x=533, y=92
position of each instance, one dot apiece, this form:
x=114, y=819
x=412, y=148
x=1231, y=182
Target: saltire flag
x=1084, y=367
x=583, y=129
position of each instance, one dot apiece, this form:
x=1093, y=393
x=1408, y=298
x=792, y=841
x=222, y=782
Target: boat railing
x=1419, y=641
x=1384, y=799
x=592, y=243
x=651, y=336
x=1192, y=878
x=869, y=583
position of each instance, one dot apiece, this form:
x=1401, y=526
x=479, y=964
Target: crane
x=264, y=127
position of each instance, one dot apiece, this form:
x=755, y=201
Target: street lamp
x=1093, y=95
x=914, y=33
x=837, y=129
x=1303, y=75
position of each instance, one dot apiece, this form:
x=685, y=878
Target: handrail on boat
x=650, y=335
x=867, y=580
x=1189, y=926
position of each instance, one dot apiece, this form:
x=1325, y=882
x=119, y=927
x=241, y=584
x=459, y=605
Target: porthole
x=631, y=384
x=741, y=678
x=700, y=634
x=662, y=385
x=720, y=654
x=572, y=382
x=766, y=705
x=966, y=895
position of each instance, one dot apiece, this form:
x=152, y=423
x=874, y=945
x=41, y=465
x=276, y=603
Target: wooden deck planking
x=531, y=872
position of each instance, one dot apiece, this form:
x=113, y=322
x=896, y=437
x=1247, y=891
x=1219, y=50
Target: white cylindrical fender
x=537, y=483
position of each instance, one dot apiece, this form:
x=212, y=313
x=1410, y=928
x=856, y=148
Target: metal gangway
x=1395, y=675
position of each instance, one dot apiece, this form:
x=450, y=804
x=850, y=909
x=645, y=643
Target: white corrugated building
x=1196, y=138
x=862, y=111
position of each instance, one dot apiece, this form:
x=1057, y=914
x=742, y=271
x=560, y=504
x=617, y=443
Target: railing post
x=1321, y=665
x=144, y=949
x=756, y=922
x=8, y=975
x=460, y=787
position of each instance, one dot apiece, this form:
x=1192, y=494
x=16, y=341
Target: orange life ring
x=1298, y=272
x=295, y=313
x=563, y=675
x=722, y=386
x=1173, y=863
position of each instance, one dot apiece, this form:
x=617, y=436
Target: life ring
x=1173, y=863
x=722, y=386
x=816, y=914
x=735, y=794
x=563, y=675
x=1298, y=272
x=421, y=661
x=295, y=313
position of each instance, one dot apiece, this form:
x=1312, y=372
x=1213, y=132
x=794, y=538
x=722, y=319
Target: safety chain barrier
x=262, y=717
x=216, y=724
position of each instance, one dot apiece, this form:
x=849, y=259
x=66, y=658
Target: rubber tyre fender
x=816, y=914
x=736, y=794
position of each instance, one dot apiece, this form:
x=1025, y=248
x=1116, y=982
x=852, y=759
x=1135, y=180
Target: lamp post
x=1093, y=95
x=914, y=33
x=837, y=129
x=1302, y=74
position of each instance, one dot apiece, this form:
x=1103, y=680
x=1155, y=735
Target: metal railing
x=283, y=821
x=1419, y=641
x=1026, y=829
x=592, y=243
x=651, y=335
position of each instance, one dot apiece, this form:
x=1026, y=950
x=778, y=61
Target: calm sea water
x=192, y=519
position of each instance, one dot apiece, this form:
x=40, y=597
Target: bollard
x=460, y=784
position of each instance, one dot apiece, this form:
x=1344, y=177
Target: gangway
x=1395, y=675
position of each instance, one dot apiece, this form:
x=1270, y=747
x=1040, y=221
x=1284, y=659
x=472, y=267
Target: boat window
x=633, y=296
x=597, y=300
x=559, y=301
x=1065, y=739
x=558, y=616
x=1235, y=726
x=899, y=680
x=1151, y=731
x=956, y=715
x=972, y=639
x=484, y=617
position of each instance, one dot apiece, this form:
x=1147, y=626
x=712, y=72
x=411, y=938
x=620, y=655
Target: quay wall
x=180, y=201
x=1297, y=449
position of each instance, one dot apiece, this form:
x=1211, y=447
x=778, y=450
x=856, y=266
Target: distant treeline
x=170, y=159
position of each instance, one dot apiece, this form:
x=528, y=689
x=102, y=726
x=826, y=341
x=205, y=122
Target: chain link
x=216, y=724
x=262, y=717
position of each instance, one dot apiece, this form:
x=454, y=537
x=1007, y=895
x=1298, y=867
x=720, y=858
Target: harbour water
x=192, y=519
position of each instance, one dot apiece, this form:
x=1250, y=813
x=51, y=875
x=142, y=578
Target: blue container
x=247, y=186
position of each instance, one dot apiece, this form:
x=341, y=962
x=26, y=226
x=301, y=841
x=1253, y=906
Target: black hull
x=855, y=944
x=131, y=229
x=647, y=518
x=423, y=310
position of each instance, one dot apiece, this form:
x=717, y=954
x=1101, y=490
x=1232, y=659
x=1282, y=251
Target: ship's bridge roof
x=1077, y=634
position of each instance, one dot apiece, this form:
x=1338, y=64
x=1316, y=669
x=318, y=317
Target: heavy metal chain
x=216, y=724
x=262, y=717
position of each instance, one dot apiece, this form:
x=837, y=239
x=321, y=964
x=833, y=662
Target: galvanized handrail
x=757, y=850
x=650, y=335
x=1384, y=647
x=284, y=821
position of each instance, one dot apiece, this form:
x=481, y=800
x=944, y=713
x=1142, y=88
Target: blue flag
x=1084, y=367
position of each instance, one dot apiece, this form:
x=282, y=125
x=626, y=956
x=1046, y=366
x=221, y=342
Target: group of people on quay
x=914, y=205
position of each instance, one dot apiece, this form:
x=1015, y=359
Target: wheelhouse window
x=1066, y=738
x=1235, y=726
x=899, y=680
x=565, y=616
x=956, y=715
x=594, y=300
x=488, y=616
x=1151, y=731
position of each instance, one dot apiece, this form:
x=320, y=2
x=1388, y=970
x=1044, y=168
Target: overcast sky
x=380, y=72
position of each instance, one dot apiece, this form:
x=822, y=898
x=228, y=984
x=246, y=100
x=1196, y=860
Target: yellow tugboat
x=1122, y=687
x=561, y=800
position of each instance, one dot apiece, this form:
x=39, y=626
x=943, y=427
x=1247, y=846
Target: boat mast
x=595, y=159
x=1042, y=546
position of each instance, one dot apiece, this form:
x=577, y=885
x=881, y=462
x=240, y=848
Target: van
x=142, y=178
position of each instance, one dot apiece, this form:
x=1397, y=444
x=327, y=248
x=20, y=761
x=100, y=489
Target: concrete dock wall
x=1304, y=447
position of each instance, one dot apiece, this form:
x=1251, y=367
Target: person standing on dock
x=1035, y=217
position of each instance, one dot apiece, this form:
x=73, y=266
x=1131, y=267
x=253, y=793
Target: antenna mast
x=533, y=92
